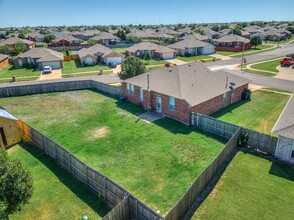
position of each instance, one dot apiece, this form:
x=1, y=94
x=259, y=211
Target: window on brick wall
x=128, y=89
x=141, y=95
x=172, y=103
x=292, y=153
x=132, y=90
x=225, y=97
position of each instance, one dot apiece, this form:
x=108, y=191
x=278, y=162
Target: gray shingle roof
x=96, y=49
x=192, y=82
x=3, y=57
x=42, y=54
x=14, y=40
x=105, y=36
x=195, y=36
x=188, y=43
x=232, y=38
x=285, y=124
x=149, y=46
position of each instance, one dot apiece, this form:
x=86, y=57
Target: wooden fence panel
x=120, y=211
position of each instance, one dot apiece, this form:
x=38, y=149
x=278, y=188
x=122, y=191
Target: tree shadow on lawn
x=229, y=108
x=82, y=191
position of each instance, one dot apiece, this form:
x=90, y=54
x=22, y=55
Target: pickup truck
x=288, y=61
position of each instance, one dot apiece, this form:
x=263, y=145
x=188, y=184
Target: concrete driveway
x=286, y=73
x=55, y=74
x=117, y=69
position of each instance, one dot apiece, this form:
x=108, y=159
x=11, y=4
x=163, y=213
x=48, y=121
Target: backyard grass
x=156, y=162
x=153, y=62
x=268, y=66
x=251, y=188
x=75, y=66
x=120, y=49
x=56, y=194
x=7, y=72
x=259, y=114
x=193, y=58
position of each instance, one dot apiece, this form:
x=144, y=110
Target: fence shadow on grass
x=79, y=189
x=229, y=108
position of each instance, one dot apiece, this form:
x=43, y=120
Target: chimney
x=148, y=81
x=227, y=82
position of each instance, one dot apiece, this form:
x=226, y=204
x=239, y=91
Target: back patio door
x=158, y=104
x=3, y=137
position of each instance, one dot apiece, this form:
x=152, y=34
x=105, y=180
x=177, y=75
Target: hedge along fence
x=256, y=140
x=181, y=209
x=105, y=187
x=59, y=87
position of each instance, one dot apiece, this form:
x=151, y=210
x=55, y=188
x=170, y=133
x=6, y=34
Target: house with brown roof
x=156, y=51
x=106, y=39
x=232, y=42
x=12, y=41
x=178, y=91
x=284, y=128
x=99, y=54
x=39, y=57
x=3, y=61
x=192, y=47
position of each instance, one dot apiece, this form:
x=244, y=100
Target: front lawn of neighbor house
x=156, y=162
x=56, y=194
x=259, y=114
x=153, y=62
x=251, y=188
x=268, y=66
x=193, y=58
x=9, y=71
x=75, y=66
x=253, y=50
x=120, y=49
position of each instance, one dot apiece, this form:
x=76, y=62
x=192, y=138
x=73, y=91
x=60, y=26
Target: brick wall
x=4, y=63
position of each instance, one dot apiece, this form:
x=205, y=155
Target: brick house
x=232, y=42
x=3, y=61
x=178, y=91
x=12, y=41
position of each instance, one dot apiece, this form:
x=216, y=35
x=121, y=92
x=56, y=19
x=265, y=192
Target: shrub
x=243, y=140
x=187, y=54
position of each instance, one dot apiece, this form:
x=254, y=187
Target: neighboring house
x=232, y=42
x=224, y=32
x=106, y=39
x=10, y=42
x=3, y=60
x=149, y=34
x=156, y=51
x=211, y=34
x=36, y=37
x=65, y=42
x=99, y=54
x=178, y=91
x=272, y=35
x=192, y=47
x=9, y=133
x=246, y=34
x=195, y=36
x=259, y=34
x=284, y=128
x=39, y=57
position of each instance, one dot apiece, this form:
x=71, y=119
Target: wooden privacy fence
x=104, y=186
x=256, y=140
x=59, y=87
x=181, y=209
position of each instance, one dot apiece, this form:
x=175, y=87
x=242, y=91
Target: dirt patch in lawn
x=97, y=133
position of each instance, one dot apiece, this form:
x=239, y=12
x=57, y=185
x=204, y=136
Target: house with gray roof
x=156, y=51
x=284, y=128
x=195, y=36
x=12, y=41
x=192, y=47
x=178, y=91
x=99, y=54
x=106, y=39
x=232, y=42
x=39, y=57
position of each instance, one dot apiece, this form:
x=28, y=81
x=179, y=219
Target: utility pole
x=242, y=60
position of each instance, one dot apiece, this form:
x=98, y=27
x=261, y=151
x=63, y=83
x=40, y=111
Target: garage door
x=117, y=60
x=168, y=56
x=207, y=50
x=89, y=61
x=54, y=65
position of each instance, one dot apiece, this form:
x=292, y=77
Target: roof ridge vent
x=170, y=70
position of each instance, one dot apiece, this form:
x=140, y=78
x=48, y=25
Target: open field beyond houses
x=156, y=162
x=251, y=188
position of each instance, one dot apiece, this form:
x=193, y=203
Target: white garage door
x=89, y=61
x=208, y=50
x=54, y=65
x=116, y=60
x=168, y=56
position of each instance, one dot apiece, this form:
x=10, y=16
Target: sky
x=18, y=13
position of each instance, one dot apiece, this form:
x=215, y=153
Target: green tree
x=200, y=31
x=91, y=41
x=215, y=28
x=148, y=56
x=235, y=31
x=21, y=35
x=49, y=38
x=131, y=66
x=16, y=185
x=19, y=47
x=2, y=36
x=255, y=41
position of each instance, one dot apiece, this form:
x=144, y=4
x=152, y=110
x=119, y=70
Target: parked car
x=288, y=61
x=47, y=69
x=112, y=65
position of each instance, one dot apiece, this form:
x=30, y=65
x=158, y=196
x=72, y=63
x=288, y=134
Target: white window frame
x=141, y=94
x=132, y=90
x=128, y=89
x=225, y=97
x=172, y=106
x=292, y=152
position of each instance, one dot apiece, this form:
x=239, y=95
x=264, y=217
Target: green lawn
x=251, y=188
x=120, y=49
x=253, y=50
x=258, y=72
x=9, y=71
x=56, y=194
x=156, y=162
x=259, y=114
x=75, y=66
x=281, y=42
x=153, y=62
x=268, y=66
x=278, y=90
x=193, y=58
